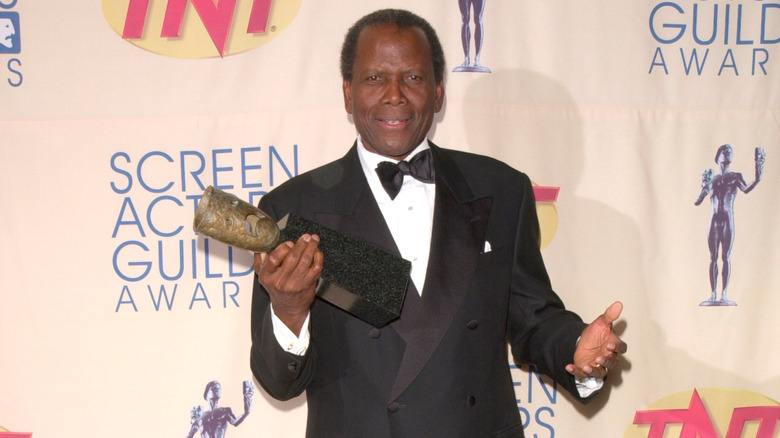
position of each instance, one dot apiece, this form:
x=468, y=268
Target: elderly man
x=468, y=225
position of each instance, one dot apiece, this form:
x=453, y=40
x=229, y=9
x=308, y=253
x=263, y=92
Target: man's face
x=7, y=32
x=393, y=94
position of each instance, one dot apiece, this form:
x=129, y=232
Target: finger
x=302, y=254
x=315, y=269
x=613, y=312
x=275, y=258
x=620, y=347
x=260, y=259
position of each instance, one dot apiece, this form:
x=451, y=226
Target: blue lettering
x=245, y=167
x=551, y=396
x=696, y=25
x=149, y=216
x=764, y=11
x=542, y=423
x=739, y=28
x=254, y=197
x=694, y=58
x=140, y=173
x=126, y=174
x=207, y=258
x=199, y=287
x=17, y=72
x=726, y=63
x=658, y=55
x=216, y=169
x=681, y=27
x=231, y=262
x=272, y=153
x=181, y=261
x=163, y=294
x=524, y=415
x=232, y=296
x=125, y=290
x=195, y=174
x=146, y=264
x=761, y=62
x=135, y=221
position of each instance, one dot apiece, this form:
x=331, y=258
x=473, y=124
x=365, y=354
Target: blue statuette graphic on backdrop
x=212, y=423
x=356, y=277
x=466, y=9
x=722, y=188
x=10, y=40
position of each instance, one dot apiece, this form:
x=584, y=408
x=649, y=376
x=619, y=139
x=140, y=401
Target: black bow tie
x=420, y=167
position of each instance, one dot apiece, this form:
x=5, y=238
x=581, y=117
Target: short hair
x=401, y=19
x=721, y=149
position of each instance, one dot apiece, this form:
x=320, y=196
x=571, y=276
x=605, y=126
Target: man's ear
x=439, y=102
x=346, y=88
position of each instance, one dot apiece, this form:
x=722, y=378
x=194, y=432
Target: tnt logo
x=10, y=41
x=199, y=28
x=708, y=413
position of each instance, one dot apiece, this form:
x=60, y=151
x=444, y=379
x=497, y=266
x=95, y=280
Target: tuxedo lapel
x=458, y=237
x=352, y=209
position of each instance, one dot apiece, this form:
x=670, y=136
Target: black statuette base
x=361, y=279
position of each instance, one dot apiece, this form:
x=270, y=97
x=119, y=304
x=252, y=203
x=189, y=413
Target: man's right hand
x=289, y=273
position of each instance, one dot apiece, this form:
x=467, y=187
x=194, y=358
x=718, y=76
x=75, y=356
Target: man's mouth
x=394, y=123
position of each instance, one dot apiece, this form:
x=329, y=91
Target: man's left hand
x=598, y=348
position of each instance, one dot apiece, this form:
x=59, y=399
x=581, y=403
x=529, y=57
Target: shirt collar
x=370, y=160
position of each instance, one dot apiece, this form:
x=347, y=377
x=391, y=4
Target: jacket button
x=393, y=407
x=292, y=366
x=471, y=400
x=473, y=324
x=374, y=333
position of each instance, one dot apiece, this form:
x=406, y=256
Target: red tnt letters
x=696, y=422
x=215, y=16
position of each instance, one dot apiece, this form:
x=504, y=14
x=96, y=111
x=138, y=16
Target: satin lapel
x=353, y=211
x=458, y=237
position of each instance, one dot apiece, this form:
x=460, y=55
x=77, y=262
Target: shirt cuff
x=290, y=343
x=588, y=386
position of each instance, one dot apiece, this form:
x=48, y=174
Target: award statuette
x=361, y=279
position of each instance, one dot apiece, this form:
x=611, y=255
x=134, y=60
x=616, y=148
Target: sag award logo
x=194, y=29
x=722, y=188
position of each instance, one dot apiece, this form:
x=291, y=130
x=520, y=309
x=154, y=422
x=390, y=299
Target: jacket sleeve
x=282, y=374
x=541, y=331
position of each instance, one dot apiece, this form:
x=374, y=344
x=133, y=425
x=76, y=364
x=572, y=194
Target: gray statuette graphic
x=722, y=188
x=212, y=422
x=466, y=8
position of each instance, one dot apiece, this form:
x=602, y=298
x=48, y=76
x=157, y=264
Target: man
x=478, y=280
x=723, y=190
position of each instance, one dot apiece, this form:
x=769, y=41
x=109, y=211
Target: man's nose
x=394, y=92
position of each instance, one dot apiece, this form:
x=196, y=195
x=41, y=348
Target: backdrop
x=116, y=114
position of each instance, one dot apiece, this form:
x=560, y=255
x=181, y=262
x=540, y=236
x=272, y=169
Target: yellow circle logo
x=546, y=213
x=708, y=413
x=194, y=29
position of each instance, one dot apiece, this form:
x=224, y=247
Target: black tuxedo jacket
x=441, y=370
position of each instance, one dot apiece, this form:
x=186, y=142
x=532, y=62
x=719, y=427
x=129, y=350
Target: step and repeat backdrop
x=653, y=127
